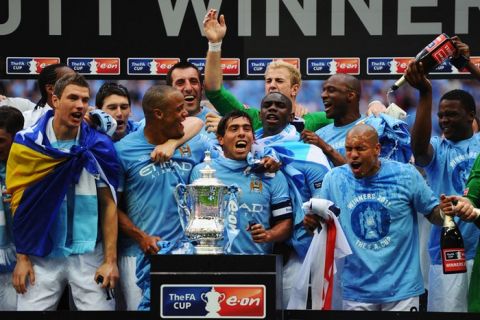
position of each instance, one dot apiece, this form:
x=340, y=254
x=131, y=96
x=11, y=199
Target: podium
x=216, y=286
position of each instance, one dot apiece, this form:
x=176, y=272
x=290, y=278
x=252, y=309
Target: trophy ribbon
x=183, y=211
x=231, y=216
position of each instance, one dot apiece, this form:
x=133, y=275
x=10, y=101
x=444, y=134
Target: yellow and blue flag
x=38, y=177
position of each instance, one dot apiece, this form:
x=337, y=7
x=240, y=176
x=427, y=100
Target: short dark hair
x=182, y=65
x=156, y=97
x=286, y=100
x=11, y=120
x=222, y=125
x=110, y=88
x=465, y=98
x=68, y=79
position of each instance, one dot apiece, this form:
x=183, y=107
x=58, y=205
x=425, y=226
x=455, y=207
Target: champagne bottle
x=431, y=56
x=452, y=248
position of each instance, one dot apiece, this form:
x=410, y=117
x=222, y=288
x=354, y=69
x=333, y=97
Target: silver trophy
x=203, y=203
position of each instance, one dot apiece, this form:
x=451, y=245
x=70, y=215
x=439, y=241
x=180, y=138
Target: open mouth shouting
x=356, y=167
x=241, y=146
x=77, y=116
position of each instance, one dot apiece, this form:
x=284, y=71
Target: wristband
x=215, y=46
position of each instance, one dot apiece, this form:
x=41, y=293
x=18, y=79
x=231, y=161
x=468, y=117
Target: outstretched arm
x=161, y=153
x=422, y=128
x=312, y=138
x=215, y=31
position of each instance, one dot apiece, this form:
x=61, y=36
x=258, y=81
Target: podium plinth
x=216, y=286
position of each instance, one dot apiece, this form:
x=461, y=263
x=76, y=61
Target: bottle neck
x=448, y=222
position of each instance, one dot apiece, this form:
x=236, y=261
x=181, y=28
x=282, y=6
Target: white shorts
x=53, y=274
x=448, y=292
x=409, y=304
x=128, y=282
x=8, y=295
x=290, y=270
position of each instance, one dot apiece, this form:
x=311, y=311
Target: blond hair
x=295, y=76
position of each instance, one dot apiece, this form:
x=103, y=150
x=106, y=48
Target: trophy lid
x=207, y=174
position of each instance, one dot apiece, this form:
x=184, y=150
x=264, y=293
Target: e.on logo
x=247, y=301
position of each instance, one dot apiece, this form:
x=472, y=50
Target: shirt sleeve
x=472, y=190
x=424, y=199
x=281, y=203
x=224, y=101
x=315, y=173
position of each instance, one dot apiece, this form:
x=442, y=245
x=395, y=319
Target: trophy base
x=208, y=250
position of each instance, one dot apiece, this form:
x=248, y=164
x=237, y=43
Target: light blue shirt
x=447, y=173
x=149, y=188
x=378, y=216
x=261, y=200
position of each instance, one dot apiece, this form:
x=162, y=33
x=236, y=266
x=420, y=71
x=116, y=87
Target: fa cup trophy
x=203, y=204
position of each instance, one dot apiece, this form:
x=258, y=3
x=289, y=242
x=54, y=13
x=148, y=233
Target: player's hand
x=110, y=274
x=214, y=29
x=164, y=152
x=23, y=274
x=462, y=48
x=311, y=222
x=415, y=75
x=270, y=164
x=148, y=244
x=376, y=107
x=259, y=234
x=211, y=122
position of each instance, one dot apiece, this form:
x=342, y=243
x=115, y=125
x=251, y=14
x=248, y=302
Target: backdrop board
x=141, y=39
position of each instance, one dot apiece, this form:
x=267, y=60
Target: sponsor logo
x=103, y=66
x=387, y=65
x=150, y=66
x=258, y=66
x=230, y=66
x=28, y=65
x=327, y=66
x=213, y=301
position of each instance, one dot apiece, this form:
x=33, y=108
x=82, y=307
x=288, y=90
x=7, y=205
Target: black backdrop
x=137, y=29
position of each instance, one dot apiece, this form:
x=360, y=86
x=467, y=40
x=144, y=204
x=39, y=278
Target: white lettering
x=14, y=18
x=405, y=24
x=371, y=16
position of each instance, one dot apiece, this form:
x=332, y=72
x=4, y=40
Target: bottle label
x=454, y=260
x=443, y=52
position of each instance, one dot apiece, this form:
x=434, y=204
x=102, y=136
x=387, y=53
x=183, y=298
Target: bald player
x=378, y=201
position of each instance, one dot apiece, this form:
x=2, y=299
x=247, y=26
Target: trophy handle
x=202, y=296
x=179, y=194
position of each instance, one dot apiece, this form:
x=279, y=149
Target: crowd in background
x=252, y=91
